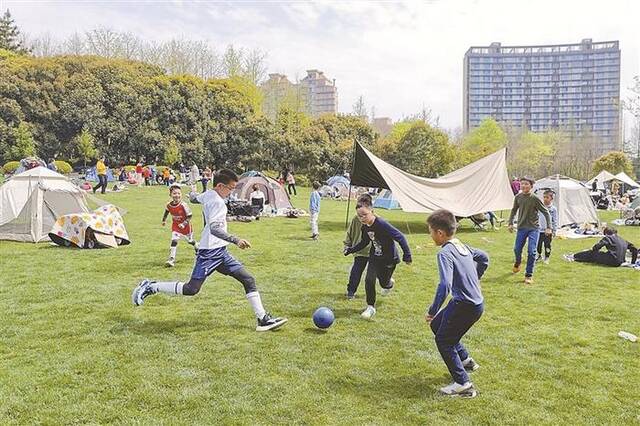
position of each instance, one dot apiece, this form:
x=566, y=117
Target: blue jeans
x=449, y=325
x=524, y=234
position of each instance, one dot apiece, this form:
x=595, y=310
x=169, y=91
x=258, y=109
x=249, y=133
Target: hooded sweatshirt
x=460, y=268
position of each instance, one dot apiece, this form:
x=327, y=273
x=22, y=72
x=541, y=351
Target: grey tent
x=276, y=196
x=572, y=199
x=30, y=203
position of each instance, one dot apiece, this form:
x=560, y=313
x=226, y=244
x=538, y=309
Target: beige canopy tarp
x=476, y=188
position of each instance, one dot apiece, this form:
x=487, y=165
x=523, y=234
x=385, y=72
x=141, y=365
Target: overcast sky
x=398, y=55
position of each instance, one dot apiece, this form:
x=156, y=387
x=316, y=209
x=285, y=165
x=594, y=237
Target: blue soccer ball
x=323, y=317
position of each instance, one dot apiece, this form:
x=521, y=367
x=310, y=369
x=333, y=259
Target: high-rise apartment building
x=569, y=86
x=315, y=94
x=321, y=93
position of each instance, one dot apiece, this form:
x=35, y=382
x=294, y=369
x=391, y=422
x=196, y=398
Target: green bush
x=63, y=167
x=302, y=180
x=10, y=167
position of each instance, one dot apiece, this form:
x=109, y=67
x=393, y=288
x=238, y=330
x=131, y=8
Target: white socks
x=256, y=304
x=173, y=251
x=170, y=287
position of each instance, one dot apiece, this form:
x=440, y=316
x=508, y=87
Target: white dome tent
x=30, y=203
x=572, y=200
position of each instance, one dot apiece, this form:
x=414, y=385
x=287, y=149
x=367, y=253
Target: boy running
x=383, y=255
x=527, y=205
x=543, y=237
x=213, y=255
x=460, y=268
x=181, y=222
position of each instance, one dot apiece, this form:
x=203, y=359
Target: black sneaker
x=350, y=296
x=267, y=322
x=143, y=290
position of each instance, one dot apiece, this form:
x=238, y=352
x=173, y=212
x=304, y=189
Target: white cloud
x=398, y=55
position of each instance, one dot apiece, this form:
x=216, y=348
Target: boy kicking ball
x=181, y=222
x=460, y=268
x=383, y=255
x=213, y=255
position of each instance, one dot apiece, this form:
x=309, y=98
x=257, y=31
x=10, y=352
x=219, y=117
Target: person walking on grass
x=291, y=183
x=544, y=238
x=181, y=222
x=383, y=255
x=213, y=255
x=460, y=268
x=314, y=210
x=527, y=205
x=101, y=171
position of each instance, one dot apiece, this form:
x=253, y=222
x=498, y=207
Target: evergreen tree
x=10, y=35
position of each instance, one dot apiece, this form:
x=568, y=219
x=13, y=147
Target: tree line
x=173, y=109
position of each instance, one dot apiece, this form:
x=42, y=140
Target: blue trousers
x=359, y=265
x=530, y=236
x=449, y=325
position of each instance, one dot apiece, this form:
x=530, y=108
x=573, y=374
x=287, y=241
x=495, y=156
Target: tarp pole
x=353, y=163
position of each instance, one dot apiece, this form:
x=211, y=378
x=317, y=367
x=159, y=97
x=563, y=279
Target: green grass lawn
x=74, y=350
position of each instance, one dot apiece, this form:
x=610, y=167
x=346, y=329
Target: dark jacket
x=617, y=247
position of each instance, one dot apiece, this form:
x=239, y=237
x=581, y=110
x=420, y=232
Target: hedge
x=10, y=167
x=63, y=167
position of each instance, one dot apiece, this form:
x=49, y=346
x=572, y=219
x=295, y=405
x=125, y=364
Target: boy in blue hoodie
x=460, y=268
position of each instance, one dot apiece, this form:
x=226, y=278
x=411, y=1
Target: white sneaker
x=568, y=257
x=455, y=389
x=546, y=261
x=368, y=313
x=171, y=262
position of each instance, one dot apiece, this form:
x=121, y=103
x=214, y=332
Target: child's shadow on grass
x=129, y=325
x=398, y=387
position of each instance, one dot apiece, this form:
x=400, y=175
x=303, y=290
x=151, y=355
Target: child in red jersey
x=181, y=227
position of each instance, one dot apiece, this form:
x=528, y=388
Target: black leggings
x=290, y=187
x=383, y=273
x=546, y=240
x=601, y=258
x=248, y=282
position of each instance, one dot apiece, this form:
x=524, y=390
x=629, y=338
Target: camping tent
x=603, y=176
x=625, y=179
x=336, y=187
x=92, y=176
x=386, y=200
x=275, y=195
x=571, y=199
x=30, y=203
x=479, y=187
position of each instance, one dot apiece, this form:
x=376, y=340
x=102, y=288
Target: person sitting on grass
x=383, y=255
x=460, y=268
x=615, y=255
